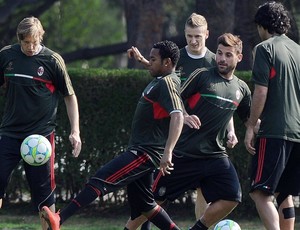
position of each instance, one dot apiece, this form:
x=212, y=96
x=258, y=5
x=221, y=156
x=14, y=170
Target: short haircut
x=273, y=17
x=231, y=40
x=168, y=49
x=196, y=20
x=30, y=26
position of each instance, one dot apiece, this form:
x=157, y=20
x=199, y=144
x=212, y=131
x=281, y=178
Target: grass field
x=107, y=219
x=77, y=222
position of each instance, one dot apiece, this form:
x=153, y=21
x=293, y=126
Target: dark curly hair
x=168, y=49
x=274, y=17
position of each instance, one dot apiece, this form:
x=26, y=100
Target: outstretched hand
x=134, y=52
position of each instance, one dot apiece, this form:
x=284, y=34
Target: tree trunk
x=144, y=25
x=219, y=16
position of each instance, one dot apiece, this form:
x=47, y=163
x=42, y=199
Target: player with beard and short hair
x=211, y=96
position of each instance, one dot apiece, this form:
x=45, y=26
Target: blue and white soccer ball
x=227, y=225
x=36, y=150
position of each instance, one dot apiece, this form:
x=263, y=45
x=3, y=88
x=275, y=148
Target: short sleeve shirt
x=151, y=120
x=186, y=64
x=214, y=100
x=277, y=67
x=33, y=85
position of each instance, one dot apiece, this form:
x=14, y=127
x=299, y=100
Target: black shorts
x=217, y=178
x=40, y=178
x=131, y=169
x=275, y=166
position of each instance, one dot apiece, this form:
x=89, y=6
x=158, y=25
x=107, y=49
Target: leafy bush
x=107, y=100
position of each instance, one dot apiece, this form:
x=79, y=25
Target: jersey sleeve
x=243, y=109
x=262, y=65
x=170, y=98
x=63, y=80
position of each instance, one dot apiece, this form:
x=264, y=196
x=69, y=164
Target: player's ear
x=207, y=34
x=240, y=57
x=167, y=62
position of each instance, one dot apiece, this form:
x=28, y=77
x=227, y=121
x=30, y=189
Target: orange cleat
x=53, y=219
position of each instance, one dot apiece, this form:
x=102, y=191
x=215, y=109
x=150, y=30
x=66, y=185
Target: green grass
x=78, y=222
x=113, y=218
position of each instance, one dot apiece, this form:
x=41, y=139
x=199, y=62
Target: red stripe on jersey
x=50, y=87
x=42, y=80
x=193, y=100
x=261, y=158
x=272, y=73
x=158, y=111
x=136, y=163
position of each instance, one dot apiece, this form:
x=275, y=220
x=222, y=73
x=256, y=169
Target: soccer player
x=157, y=124
x=34, y=78
x=276, y=101
x=211, y=96
x=194, y=55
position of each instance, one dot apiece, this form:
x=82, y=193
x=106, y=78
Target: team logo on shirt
x=9, y=67
x=212, y=87
x=40, y=71
x=238, y=94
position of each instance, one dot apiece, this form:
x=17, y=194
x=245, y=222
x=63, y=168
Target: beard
x=225, y=69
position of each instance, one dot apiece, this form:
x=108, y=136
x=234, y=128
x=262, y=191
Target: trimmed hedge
x=107, y=100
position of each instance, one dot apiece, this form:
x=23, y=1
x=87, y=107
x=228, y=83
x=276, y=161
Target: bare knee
x=134, y=224
x=259, y=196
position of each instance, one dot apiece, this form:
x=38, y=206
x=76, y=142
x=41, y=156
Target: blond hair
x=30, y=26
x=196, y=20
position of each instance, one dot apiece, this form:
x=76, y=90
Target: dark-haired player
x=211, y=96
x=276, y=101
x=157, y=124
x=194, y=55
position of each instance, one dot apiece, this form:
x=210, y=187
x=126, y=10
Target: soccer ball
x=227, y=225
x=36, y=150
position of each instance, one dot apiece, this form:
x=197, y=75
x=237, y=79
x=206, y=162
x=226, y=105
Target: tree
x=237, y=17
x=12, y=12
x=98, y=32
x=144, y=24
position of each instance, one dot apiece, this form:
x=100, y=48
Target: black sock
x=85, y=197
x=146, y=225
x=125, y=228
x=162, y=220
x=199, y=226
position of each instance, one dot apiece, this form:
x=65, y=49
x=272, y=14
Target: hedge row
x=107, y=100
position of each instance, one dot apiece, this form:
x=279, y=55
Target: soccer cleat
x=53, y=219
